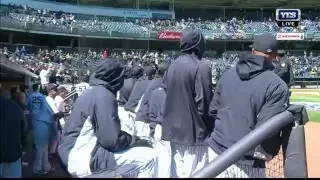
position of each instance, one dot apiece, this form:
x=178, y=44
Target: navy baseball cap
x=52, y=87
x=266, y=43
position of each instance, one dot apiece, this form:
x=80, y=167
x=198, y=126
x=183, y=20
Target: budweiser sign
x=169, y=35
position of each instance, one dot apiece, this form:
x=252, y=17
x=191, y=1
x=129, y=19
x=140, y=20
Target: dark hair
x=35, y=87
x=13, y=91
x=85, y=78
x=23, y=87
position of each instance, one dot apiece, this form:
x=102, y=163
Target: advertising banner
x=316, y=36
x=169, y=35
x=290, y=36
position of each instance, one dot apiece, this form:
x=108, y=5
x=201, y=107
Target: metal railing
x=232, y=155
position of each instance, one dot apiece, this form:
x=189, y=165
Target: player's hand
x=143, y=142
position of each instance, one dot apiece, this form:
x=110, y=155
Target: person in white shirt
x=60, y=106
x=52, y=93
x=44, y=76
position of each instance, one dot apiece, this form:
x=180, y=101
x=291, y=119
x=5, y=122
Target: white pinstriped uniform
x=163, y=150
x=187, y=160
x=238, y=170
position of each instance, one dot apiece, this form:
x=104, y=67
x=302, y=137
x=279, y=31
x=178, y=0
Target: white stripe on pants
x=238, y=170
x=127, y=122
x=187, y=160
x=163, y=149
x=139, y=104
x=142, y=128
x=145, y=158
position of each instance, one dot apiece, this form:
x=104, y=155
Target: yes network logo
x=288, y=17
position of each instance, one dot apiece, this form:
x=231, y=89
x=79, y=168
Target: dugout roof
x=11, y=70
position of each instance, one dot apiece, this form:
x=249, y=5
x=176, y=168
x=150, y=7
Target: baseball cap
x=52, y=87
x=266, y=43
x=62, y=89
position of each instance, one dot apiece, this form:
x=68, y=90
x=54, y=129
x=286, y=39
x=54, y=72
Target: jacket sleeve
x=203, y=90
x=107, y=125
x=152, y=110
x=133, y=100
x=276, y=101
x=215, y=102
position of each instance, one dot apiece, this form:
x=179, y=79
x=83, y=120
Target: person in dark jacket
x=93, y=132
x=11, y=128
x=283, y=69
x=139, y=88
x=156, y=105
x=246, y=96
x=142, y=116
x=132, y=75
x=186, y=123
x=127, y=122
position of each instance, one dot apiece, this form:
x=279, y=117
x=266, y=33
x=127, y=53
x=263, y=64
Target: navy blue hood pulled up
x=192, y=42
x=250, y=66
x=109, y=73
x=136, y=72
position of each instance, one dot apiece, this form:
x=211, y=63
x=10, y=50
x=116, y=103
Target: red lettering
x=169, y=35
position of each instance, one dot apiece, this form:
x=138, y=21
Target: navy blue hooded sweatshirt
x=11, y=128
x=143, y=113
x=134, y=73
x=246, y=96
x=189, y=92
x=138, y=89
x=99, y=102
x=155, y=110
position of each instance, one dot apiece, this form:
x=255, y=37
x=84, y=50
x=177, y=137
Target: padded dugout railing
x=291, y=160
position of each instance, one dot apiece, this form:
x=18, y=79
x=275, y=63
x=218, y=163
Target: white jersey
x=81, y=87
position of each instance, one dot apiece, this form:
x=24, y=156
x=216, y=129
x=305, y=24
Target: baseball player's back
x=81, y=87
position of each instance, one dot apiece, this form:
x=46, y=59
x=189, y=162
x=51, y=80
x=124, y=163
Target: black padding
x=294, y=152
x=300, y=114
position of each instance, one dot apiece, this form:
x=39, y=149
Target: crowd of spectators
x=234, y=27
x=67, y=67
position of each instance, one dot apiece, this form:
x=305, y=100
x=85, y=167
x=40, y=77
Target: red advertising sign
x=169, y=35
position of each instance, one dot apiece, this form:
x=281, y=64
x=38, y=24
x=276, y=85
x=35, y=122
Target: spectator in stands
x=237, y=113
x=44, y=76
x=186, y=123
x=11, y=128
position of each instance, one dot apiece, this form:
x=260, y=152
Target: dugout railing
x=289, y=163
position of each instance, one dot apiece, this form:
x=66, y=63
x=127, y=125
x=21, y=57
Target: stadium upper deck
x=165, y=4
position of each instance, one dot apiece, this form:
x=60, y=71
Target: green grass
x=305, y=98
x=314, y=116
